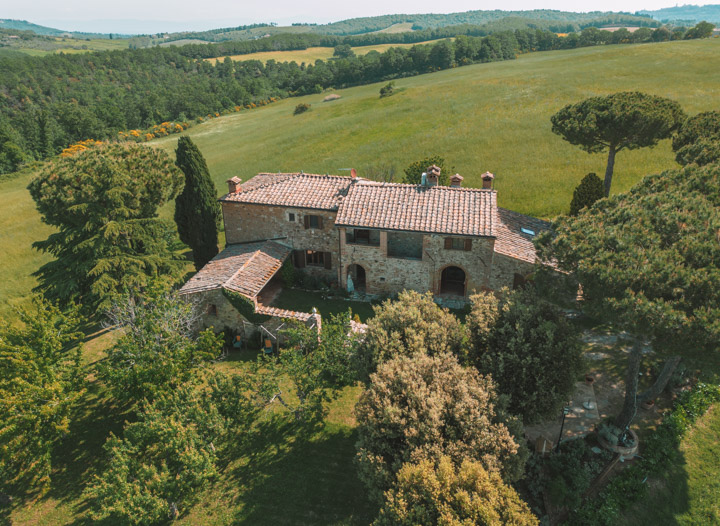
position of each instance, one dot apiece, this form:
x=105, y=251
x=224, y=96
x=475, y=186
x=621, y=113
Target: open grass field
x=492, y=117
x=309, y=55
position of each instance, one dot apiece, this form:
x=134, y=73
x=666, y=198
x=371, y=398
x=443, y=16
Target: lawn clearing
x=304, y=301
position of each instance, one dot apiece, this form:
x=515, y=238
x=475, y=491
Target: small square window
x=212, y=309
x=291, y=217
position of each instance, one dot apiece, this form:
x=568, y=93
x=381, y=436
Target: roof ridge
x=227, y=282
x=370, y=182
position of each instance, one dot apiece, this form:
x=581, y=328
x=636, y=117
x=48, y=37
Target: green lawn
x=304, y=301
x=483, y=117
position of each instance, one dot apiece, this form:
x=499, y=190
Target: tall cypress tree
x=197, y=211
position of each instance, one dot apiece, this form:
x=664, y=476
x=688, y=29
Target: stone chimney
x=433, y=174
x=456, y=181
x=234, y=185
x=487, y=179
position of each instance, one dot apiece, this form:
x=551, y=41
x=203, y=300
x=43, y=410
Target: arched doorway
x=357, y=273
x=452, y=281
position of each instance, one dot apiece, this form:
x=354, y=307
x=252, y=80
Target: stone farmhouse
x=374, y=238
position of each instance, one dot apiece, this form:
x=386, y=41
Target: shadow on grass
x=80, y=455
x=300, y=476
x=665, y=498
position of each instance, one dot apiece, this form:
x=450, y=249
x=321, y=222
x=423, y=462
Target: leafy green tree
x=621, y=121
x=431, y=493
x=586, y=193
x=412, y=324
x=343, y=51
x=11, y=154
x=413, y=173
x=40, y=381
x=426, y=406
x=701, y=30
x=698, y=140
x=160, y=466
x=159, y=348
x=104, y=203
x=648, y=262
x=197, y=210
x=312, y=368
x=529, y=348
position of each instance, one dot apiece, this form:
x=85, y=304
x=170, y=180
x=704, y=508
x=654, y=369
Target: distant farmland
x=311, y=54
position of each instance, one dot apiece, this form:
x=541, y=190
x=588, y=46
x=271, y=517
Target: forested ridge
x=47, y=103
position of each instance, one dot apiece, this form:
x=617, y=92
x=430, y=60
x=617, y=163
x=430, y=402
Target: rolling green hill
x=492, y=117
x=686, y=13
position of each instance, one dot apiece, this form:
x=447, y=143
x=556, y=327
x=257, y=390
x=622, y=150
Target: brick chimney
x=487, y=179
x=234, y=185
x=433, y=174
x=353, y=173
x=456, y=181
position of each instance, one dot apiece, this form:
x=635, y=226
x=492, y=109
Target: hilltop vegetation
x=686, y=14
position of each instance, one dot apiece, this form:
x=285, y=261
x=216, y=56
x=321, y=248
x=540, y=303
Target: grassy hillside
x=484, y=117
x=311, y=54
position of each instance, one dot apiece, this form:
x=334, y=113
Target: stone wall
x=249, y=222
x=504, y=269
x=390, y=275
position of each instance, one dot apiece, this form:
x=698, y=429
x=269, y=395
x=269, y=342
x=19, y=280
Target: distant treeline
x=50, y=102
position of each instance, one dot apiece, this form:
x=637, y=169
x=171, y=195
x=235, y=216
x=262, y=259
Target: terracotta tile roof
x=432, y=209
x=244, y=268
x=282, y=313
x=511, y=240
x=299, y=190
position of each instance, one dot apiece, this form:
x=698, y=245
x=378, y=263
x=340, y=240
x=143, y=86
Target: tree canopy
x=649, y=261
x=197, y=210
x=698, y=140
x=159, y=347
x=40, y=381
x=528, y=347
x=426, y=406
x=103, y=202
x=621, y=121
x=432, y=493
x=412, y=324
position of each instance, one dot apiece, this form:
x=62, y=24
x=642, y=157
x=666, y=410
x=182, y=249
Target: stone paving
x=579, y=422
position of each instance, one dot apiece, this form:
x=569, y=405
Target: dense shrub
x=698, y=140
x=529, y=348
x=424, y=406
x=387, y=89
x=429, y=493
x=586, y=193
x=301, y=108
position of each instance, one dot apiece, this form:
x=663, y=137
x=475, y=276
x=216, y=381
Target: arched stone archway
x=453, y=281
x=358, y=275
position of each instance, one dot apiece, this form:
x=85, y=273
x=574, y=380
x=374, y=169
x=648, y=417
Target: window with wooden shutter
x=306, y=220
x=468, y=245
x=457, y=243
x=315, y=258
x=328, y=260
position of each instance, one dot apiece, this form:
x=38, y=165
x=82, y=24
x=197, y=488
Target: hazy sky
x=167, y=15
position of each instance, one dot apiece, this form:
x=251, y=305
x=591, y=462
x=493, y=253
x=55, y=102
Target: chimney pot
x=487, y=179
x=234, y=185
x=353, y=173
x=433, y=174
x=456, y=181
